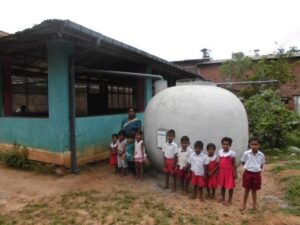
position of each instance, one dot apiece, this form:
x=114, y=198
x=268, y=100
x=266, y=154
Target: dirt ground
x=21, y=189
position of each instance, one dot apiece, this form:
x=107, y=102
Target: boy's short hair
x=122, y=133
x=254, y=138
x=185, y=139
x=198, y=144
x=227, y=139
x=171, y=132
x=211, y=145
x=114, y=135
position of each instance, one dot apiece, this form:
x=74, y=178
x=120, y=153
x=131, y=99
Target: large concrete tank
x=205, y=113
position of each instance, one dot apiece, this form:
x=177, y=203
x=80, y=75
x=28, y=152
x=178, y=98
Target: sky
x=172, y=29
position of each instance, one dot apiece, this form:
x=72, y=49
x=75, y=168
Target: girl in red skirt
x=212, y=171
x=227, y=170
x=253, y=161
x=114, y=152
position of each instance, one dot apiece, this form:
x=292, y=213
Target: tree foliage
x=269, y=119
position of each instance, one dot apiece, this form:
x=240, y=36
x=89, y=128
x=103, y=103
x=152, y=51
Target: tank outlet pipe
x=248, y=82
x=123, y=73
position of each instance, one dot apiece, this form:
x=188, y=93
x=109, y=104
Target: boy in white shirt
x=253, y=161
x=198, y=163
x=169, y=150
x=182, y=173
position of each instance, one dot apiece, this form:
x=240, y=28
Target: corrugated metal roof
x=51, y=26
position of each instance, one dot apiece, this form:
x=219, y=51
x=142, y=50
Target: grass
x=292, y=195
x=289, y=165
x=92, y=207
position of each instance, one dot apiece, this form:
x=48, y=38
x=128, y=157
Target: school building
x=64, y=89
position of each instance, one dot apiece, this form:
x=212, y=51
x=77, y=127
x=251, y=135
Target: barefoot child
x=198, y=165
x=253, y=161
x=227, y=171
x=169, y=150
x=114, y=152
x=182, y=173
x=139, y=155
x=212, y=171
x=121, y=143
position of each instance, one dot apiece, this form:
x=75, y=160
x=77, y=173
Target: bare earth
x=20, y=188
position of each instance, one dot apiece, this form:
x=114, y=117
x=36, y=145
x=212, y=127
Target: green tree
x=269, y=119
x=272, y=67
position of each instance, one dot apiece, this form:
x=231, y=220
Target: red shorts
x=251, y=180
x=182, y=174
x=169, y=166
x=198, y=180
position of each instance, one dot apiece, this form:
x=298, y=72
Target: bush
x=17, y=158
x=269, y=119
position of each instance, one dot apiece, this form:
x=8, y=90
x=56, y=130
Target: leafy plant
x=269, y=119
x=17, y=157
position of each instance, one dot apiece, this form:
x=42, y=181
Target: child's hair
x=130, y=136
x=139, y=132
x=171, y=132
x=198, y=144
x=114, y=135
x=211, y=145
x=254, y=139
x=185, y=139
x=122, y=133
x=227, y=139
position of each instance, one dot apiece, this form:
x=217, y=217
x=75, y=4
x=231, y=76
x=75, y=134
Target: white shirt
x=121, y=146
x=230, y=153
x=198, y=162
x=212, y=158
x=183, y=156
x=253, y=162
x=169, y=150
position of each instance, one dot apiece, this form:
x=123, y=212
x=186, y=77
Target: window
x=29, y=96
x=95, y=96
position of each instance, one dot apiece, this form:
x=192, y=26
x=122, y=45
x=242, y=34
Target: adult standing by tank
x=131, y=124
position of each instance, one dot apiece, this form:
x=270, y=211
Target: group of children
x=188, y=165
x=128, y=153
x=212, y=170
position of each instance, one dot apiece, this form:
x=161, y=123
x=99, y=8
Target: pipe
x=112, y=72
x=249, y=82
x=74, y=168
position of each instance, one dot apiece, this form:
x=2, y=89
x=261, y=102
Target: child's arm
x=143, y=154
x=234, y=168
x=205, y=170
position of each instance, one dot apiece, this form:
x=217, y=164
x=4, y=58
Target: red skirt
x=212, y=181
x=226, y=178
x=113, y=159
x=182, y=174
x=198, y=180
x=251, y=180
x=169, y=166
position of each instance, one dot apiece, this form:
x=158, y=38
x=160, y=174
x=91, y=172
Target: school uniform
x=139, y=152
x=226, y=172
x=182, y=157
x=212, y=181
x=121, y=158
x=252, y=166
x=197, y=163
x=113, y=155
x=170, y=150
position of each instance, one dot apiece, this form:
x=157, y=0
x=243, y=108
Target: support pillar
x=7, y=87
x=147, y=88
x=58, y=88
x=1, y=88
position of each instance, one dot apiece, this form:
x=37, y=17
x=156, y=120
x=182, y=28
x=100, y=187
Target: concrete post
x=58, y=87
x=147, y=88
x=1, y=88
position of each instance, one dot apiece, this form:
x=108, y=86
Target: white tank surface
x=201, y=112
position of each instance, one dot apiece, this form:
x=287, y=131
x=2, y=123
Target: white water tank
x=201, y=112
